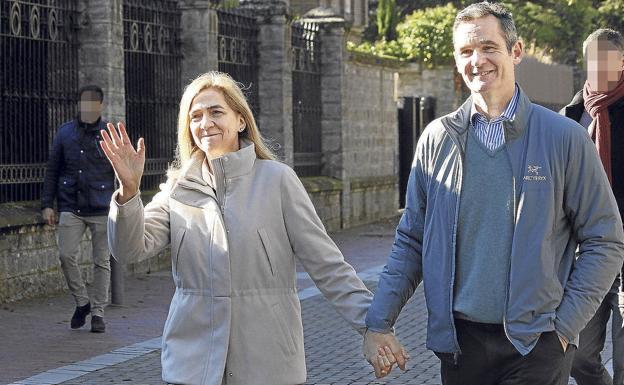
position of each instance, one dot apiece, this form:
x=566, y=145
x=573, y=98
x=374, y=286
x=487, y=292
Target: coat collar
x=459, y=120
x=233, y=164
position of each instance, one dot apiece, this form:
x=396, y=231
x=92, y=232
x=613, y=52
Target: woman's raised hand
x=127, y=162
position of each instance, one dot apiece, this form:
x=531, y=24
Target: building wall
x=551, y=85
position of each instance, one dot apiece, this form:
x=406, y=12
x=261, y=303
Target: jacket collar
x=233, y=164
x=459, y=120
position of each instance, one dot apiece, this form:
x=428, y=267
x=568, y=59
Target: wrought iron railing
x=238, y=51
x=306, y=97
x=152, y=80
x=39, y=81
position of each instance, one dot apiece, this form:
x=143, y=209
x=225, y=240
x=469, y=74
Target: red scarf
x=597, y=105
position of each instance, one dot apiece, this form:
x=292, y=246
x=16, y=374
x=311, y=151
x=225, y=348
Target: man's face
x=604, y=63
x=90, y=107
x=482, y=58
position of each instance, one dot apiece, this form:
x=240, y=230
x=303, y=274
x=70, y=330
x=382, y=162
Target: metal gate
x=152, y=80
x=39, y=81
x=306, y=97
x=238, y=51
x=414, y=114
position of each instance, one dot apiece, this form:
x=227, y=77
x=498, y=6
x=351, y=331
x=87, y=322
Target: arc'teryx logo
x=533, y=170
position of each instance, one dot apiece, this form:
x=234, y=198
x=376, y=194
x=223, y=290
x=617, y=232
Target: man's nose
x=477, y=58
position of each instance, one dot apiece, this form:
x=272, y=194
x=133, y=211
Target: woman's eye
x=196, y=118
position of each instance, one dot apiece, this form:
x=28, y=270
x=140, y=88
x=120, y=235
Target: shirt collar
x=508, y=114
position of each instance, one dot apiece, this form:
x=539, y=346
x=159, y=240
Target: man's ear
x=517, y=51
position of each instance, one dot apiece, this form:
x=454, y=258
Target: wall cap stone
x=373, y=181
x=365, y=58
x=321, y=183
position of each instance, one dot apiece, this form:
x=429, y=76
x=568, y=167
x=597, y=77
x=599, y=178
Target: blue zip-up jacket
x=564, y=201
x=78, y=174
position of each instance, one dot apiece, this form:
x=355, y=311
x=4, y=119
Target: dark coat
x=78, y=173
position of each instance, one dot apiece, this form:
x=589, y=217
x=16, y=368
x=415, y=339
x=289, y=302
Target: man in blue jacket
x=501, y=193
x=81, y=179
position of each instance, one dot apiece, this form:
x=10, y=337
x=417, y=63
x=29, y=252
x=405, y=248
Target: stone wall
x=29, y=257
x=414, y=80
x=370, y=141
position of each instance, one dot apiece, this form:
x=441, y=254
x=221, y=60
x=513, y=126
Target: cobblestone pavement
x=326, y=335
x=129, y=353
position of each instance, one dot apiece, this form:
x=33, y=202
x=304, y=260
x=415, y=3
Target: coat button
x=230, y=374
x=102, y=186
x=82, y=151
x=79, y=171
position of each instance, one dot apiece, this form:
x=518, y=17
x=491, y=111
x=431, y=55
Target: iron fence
x=152, y=80
x=238, y=50
x=306, y=97
x=39, y=78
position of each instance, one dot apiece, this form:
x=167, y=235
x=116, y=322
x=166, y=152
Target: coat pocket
x=268, y=250
x=176, y=243
x=280, y=316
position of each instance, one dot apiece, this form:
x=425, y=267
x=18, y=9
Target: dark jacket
x=564, y=201
x=78, y=173
x=574, y=111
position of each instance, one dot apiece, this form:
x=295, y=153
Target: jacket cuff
x=564, y=331
x=126, y=209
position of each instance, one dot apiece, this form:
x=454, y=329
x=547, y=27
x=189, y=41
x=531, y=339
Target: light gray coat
x=235, y=317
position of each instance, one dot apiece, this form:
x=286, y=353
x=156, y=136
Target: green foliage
x=387, y=17
x=427, y=35
x=554, y=29
x=551, y=29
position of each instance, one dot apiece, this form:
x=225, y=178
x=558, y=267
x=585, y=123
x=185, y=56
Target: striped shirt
x=491, y=133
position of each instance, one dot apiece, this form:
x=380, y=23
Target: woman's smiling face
x=213, y=124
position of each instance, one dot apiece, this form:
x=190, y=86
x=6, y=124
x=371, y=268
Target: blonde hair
x=235, y=99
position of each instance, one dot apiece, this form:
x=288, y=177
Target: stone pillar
x=101, y=57
x=275, y=75
x=333, y=56
x=199, y=40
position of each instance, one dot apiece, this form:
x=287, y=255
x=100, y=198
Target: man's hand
x=382, y=351
x=564, y=343
x=48, y=215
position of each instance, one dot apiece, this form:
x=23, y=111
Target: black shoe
x=80, y=316
x=97, y=324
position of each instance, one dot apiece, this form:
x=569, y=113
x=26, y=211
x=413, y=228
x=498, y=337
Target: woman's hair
x=235, y=99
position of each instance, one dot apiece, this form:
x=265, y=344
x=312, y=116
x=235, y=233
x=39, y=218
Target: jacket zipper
x=515, y=213
x=453, y=244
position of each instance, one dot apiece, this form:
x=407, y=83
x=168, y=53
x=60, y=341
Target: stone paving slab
x=328, y=340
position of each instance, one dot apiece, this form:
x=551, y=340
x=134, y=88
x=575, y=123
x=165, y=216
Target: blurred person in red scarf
x=599, y=107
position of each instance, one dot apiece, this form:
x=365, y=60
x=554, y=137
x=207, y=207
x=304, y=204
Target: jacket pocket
x=176, y=243
x=278, y=312
x=268, y=250
x=100, y=194
x=67, y=190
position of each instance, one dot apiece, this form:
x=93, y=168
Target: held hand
x=382, y=351
x=127, y=162
x=48, y=215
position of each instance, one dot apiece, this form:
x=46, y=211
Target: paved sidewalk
x=129, y=353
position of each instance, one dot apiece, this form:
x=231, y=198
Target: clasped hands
x=383, y=351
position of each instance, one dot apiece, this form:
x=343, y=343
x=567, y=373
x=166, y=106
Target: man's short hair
x=485, y=8
x=91, y=88
x=605, y=34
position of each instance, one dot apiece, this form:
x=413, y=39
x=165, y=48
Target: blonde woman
x=237, y=221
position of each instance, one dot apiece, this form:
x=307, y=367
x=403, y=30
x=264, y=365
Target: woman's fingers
x=124, y=134
x=108, y=143
x=141, y=146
